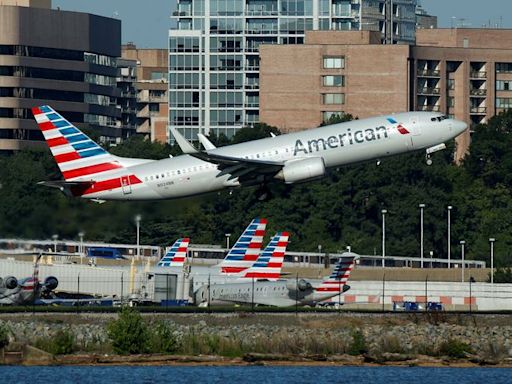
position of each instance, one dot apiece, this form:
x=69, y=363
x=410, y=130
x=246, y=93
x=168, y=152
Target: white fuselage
x=338, y=144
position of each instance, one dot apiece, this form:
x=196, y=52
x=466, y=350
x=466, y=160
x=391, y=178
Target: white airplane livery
x=90, y=172
x=280, y=293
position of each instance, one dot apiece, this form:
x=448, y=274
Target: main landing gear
x=263, y=193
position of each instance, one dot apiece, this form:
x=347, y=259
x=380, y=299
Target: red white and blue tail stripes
x=270, y=262
x=246, y=250
x=339, y=276
x=177, y=254
x=78, y=157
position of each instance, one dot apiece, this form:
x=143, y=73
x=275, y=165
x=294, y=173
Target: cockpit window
x=439, y=118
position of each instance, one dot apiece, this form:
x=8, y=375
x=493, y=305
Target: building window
x=504, y=85
x=331, y=115
x=504, y=67
x=504, y=102
x=333, y=98
x=451, y=84
x=334, y=62
x=333, y=81
x=451, y=102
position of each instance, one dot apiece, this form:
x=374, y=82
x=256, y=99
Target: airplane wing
x=207, y=144
x=184, y=144
x=244, y=169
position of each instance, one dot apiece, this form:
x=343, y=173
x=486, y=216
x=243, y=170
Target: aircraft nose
x=459, y=126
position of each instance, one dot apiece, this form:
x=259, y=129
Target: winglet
x=207, y=144
x=185, y=146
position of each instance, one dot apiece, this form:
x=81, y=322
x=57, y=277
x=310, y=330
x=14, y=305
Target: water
x=259, y=375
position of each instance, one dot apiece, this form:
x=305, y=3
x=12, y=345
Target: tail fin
x=338, y=279
x=78, y=157
x=270, y=262
x=176, y=255
x=246, y=250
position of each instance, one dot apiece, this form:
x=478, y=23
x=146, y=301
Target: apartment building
x=59, y=58
x=152, y=66
x=214, y=50
x=464, y=73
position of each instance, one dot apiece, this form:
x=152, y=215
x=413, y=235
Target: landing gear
x=428, y=160
x=432, y=150
x=263, y=193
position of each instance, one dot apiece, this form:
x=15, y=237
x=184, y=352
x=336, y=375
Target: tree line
x=340, y=210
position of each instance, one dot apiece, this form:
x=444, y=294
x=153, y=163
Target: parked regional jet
x=281, y=293
x=91, y=172
x=25, y=291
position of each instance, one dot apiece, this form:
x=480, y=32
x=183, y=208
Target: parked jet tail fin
x=78, y=157
x=270, y=262
x=176, y=255
x=337, y=280
x=246, y=250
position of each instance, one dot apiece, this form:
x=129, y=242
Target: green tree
x=129, y=333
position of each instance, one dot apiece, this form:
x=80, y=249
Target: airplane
x=90, y=172
x=176, y=255
x=26, y=291
x=280, y=293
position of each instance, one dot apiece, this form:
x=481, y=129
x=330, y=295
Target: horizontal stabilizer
x=71, y=188
x=185, y=146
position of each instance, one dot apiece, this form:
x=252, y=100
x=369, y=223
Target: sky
x=146, y=23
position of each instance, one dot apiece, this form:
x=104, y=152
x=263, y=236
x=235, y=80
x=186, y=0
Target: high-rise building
x=151, y=86
x=127, y=100
x=59, y=58
x=464, y=73
x=214, y=50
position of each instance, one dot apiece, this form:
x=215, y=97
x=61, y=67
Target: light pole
x=82, y=253
x=422, y=207
x=228, y=235
x=384, y=211
x=449, y=234
x=55, y=237
x=491, y=241
x=462, y=243
x=137, y=222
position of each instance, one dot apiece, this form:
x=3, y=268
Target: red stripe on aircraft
x=36, y=111
x=65, y=157
x=262, y=275
x=254, y=245
x=251, y=257
x=233, y=269
x=57, y=141
x=402, y=129
x=274, y=265
x=259, y=232
x=282, y=243
x=329, y=289
x=90, y=170
x=178, y=259
x=46, y=126
x=107, y=185
x=182, y=249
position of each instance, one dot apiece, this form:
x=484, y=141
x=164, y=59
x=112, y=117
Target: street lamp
x=384, y=211
x=491, y=241
x=228, y=235
x=462, y=243
x=137, y=222
x=422, y=207
x=55, y=237
x=81, y=236
x=449, y=235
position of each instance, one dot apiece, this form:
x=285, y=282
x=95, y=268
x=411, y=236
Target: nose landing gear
x=431, y=150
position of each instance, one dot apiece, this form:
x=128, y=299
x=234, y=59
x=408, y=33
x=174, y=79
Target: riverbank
x=282, y=339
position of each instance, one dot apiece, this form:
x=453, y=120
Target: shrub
x=454, y=348
x=129, y=333
x=62, y=343
x=163, y=339
x=4, y=336
x=358, y=345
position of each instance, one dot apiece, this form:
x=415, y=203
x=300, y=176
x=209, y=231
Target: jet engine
x=50, y=283
x=298, y=285
x=302, y=170
x=10, y=282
